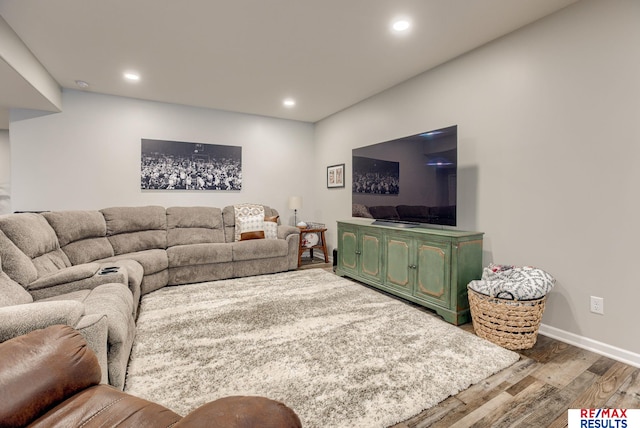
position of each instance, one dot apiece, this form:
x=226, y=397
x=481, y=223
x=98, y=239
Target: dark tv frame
x=426, y=193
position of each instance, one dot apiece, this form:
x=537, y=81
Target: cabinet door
x=398, y=265
x=347, y=250
x=371, y=254
x=433, y=272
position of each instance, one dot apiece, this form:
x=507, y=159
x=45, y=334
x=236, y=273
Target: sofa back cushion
x=12, y=293
x=194, y=225
x=229, y=219
x=33, y=235
x=17, y=264
x=82, y=235
x=131, y=229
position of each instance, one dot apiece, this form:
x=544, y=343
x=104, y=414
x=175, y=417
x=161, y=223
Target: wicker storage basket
x=512, y=324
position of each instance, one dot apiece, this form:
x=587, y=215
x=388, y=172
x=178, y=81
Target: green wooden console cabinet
x=430, y=267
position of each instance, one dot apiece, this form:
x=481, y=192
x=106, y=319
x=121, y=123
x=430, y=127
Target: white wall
x=549, y=148
x=5, y=172
x=88, y=156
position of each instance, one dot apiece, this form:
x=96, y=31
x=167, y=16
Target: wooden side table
x=321, y=244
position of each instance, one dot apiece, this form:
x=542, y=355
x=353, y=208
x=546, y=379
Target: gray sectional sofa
x=89, y=269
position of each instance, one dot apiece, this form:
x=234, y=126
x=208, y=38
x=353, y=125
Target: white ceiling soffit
x=248, y=55
x=24, y=82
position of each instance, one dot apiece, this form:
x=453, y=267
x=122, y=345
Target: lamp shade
x=295, y=202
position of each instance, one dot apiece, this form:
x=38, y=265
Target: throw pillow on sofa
x=249, y=217
x=271, y=227
x=250, y=227
x=257, y=227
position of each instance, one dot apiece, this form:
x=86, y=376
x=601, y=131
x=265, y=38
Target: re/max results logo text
x=604, y=418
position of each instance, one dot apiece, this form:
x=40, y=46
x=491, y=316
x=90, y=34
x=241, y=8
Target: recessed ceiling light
x=401, y=25
x=131, y=76
x=82, y=84
x=289, y=102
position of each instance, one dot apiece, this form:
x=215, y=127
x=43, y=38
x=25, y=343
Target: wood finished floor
x=536, y=391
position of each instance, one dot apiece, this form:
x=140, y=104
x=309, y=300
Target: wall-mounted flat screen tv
x=408, y=181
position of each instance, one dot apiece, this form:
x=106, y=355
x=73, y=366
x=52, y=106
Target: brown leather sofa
x=51, y=378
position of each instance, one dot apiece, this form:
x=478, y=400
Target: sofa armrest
x=284, y=231
x=21, y=319
x=81, y=277
x=241, y=411
x=66, y=275
x=42, y=369
x=95, y=328
x=18, y=320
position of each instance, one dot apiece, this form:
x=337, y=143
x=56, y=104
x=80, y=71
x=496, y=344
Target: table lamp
x=295, y=203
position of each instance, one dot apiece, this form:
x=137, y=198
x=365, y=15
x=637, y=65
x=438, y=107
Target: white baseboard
x=610, y=351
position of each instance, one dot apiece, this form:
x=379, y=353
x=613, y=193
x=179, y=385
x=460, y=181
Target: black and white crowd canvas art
x=176, y=165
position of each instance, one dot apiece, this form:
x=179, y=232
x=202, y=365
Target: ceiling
x=249, y=55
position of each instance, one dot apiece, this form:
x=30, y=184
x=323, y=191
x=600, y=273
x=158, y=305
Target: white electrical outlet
x=597, y=305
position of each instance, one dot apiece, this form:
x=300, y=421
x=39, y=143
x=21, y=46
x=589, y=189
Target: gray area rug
x=339, y=354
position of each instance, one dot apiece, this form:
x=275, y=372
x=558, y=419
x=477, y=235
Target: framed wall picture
x=179, y=165
x=335, y=176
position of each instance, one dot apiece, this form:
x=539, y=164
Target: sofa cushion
x=16, y=264
x=134, y=219
x=71, y=226
x=152, y=261
x=30, y=232
x=133, y=229
x=125, y=243
x=88, y=250
x=198, y=254
x=51, y=262
x=33, y=235
x=259, y=249
x=82, y=234
x=194, y=225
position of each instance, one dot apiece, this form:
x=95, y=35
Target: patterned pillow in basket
x=513, y=282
